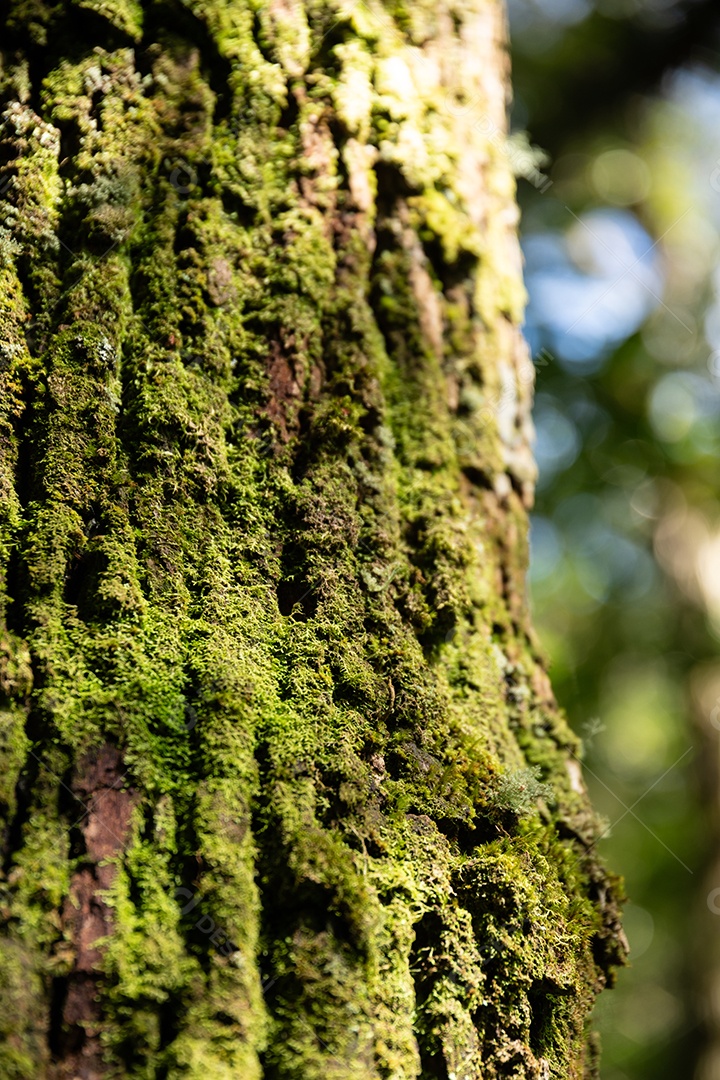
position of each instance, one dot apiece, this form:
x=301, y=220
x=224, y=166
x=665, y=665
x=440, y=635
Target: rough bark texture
x=286, y=794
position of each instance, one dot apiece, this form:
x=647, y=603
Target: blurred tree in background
x=621, y=238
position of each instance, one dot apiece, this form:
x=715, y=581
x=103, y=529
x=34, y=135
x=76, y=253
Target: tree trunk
x=286, y=794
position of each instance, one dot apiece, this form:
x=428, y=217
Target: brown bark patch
x=105, y=826
x=284, y=391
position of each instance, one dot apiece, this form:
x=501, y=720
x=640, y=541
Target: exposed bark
x=285, y=790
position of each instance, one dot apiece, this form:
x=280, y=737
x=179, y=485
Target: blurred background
x=621, y=233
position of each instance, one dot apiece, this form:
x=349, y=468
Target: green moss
x=23, y=1033
x=437, y=218
x=126, y=15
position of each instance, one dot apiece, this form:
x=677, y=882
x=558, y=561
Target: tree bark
x=285, y=791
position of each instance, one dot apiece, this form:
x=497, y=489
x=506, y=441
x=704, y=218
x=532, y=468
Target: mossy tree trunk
x=284, y=788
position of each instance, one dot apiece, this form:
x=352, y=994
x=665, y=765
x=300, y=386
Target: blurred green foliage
x=624, y=324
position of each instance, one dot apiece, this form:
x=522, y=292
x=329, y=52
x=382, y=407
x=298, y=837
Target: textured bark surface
x=284, y=789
